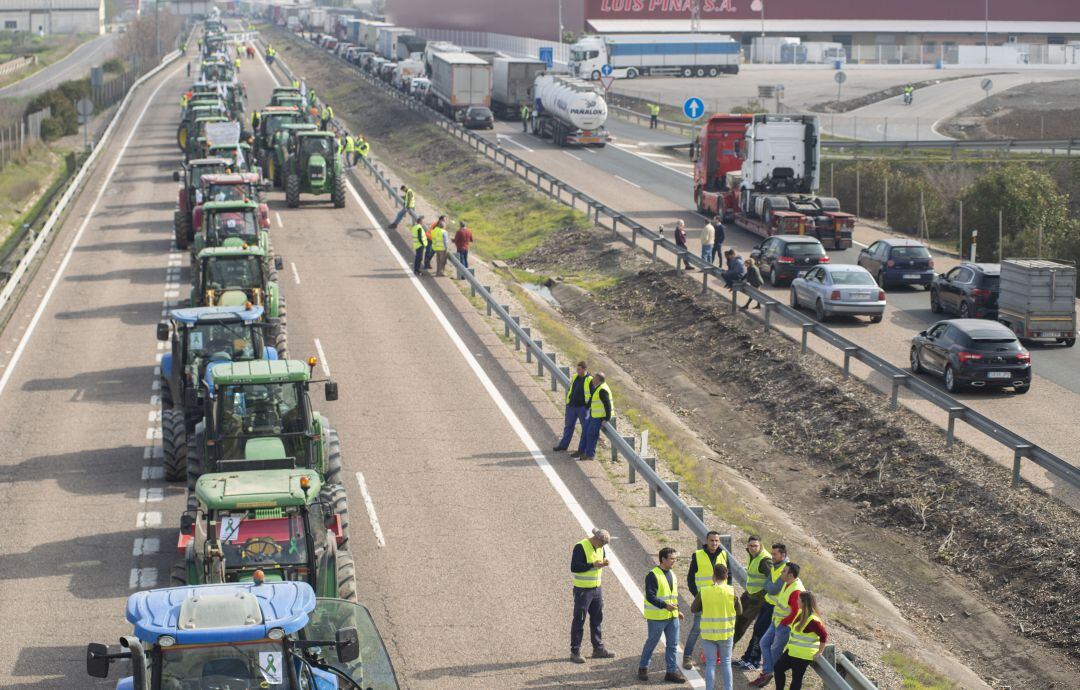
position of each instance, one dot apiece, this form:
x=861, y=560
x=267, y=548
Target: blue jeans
x=590, y=437
x=463, y=257
x=706, y=253
x=717, y=650
x=772, y=646
x=670, y=631
x=761, y=625
x=571, y=418
x=692, y=636
x=400, y=215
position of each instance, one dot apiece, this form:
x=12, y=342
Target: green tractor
x=269, y=520
x=258, y=416
x=314, y=167
x=285, y=93
x=231, y=224
x=238, y=154
x=277, y=159
x=190, y=196
x=196, y=137
x=270, y=121
x=198, y=106
x=239, y=276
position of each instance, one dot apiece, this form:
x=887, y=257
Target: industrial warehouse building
x=870, y=30
x=53, y=16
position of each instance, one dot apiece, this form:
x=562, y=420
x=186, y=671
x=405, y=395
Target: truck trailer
x=569, y=111
x=511, y=85
x=458, y=81
x=631, y=56
x=1037, y=299
x=388, y=37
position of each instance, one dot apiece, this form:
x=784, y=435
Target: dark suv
x=970, y=290
x=783, y=258
x=972, y=352
x=895, y=261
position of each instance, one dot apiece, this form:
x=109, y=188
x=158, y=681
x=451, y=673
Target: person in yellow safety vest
x=716, y=607
x=587, y=562
x=237, y=63
x=662, y=615
x=654, y=115
x=525, y=114
x=700, y=576
x=576, y=411
x=296, y=83
x=255, y=117
x=806, y=642
x=325, y=117
x=758, y=570
x=440, y=246
x=776, y=637
x=419, y=244
x=771, y=586
x=408, y=203
x=350, y=149
x=362, y=149
x=441, y=222
x=601, y=409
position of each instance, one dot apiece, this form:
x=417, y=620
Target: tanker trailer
x=569, y=111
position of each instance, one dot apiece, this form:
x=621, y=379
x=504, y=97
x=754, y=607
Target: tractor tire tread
x=346, y=576
x=174, y=444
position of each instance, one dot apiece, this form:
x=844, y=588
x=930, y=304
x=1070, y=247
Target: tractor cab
x=261, y=634
x=282, y=147
x=229, y=151
x=280, y=522
x=234, y=276
x=238, y=186
x=284, y=92
x=196, y=139
x=190, y=194
x=198, y=106
x=271, y=119
x=314, y=167
x=230, y=224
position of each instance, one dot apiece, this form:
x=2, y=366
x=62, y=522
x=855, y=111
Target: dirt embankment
x=974, y=565
x=1044, y=110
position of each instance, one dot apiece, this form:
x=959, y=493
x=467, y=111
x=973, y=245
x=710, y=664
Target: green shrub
x=113, y=66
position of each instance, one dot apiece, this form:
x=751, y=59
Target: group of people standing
x=736, y=268
x=432, y=241
x=588, y=403
x=787, y=631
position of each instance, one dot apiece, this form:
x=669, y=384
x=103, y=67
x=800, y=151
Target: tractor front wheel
x=332, y=467
x=180, y=230
x=281, y=344
x=166, y=394
x=346, y=576
x=174, y=444
x=178, y=575
x=194, y=466
x=337, y=194
x=292, y=190
x=334, y=495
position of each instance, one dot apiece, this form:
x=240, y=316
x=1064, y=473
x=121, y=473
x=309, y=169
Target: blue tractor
x=274, y=635
x=202, y=337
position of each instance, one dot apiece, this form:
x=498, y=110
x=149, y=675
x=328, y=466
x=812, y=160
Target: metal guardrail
x=831, y=668
x=545, y=182
x=1006, y=146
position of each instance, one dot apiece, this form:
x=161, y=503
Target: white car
x=839, y=289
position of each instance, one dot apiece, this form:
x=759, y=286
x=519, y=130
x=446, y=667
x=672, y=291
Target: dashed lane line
x=322, y=358
x=295, y=273
x=370, y=505
x=623, y=179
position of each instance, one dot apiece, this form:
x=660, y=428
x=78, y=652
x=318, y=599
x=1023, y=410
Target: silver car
x=834, y=289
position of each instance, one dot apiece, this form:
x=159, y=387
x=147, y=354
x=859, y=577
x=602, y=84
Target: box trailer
x=388, y=37
x=635, y=55
x=511, y=85
x=458, y=81
x=1037, y=299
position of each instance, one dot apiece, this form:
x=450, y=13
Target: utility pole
x=695, y=16
x=986, y=39
x=560, y=37
x=157, y=31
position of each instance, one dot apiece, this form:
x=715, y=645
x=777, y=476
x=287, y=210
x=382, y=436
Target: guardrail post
x=651, y=462
x=506, y=324
x=734, y=298
x=554, y=374
x=1018, y=453
x=679, y=264
x=655, y=245
x=699, y=513
x=633, y=235
x=897, y=380
x=487, y=302
x=528, y=350
x=632, y=475
x=767, y=307
x=472, y=286
x=848, y=351
x=615, y=451
x=950, y=435
x=704, y=279
x=539, y=357
x=674, y=486
x=517, y=338
x=806, y=328
x=828, y=655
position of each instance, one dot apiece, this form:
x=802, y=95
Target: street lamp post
x=986, y=38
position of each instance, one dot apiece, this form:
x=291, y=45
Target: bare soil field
x=1043, y=110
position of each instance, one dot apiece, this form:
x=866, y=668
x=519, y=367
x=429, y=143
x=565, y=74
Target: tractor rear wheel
x=292, y=191
x=334, y=495
x=166, y=394
x=281, y=344
x=337, y=194
x=179, y=230
x=178, y=575
x=174, y=444
x=194, y=466
x=333, y=459
x=346, y=576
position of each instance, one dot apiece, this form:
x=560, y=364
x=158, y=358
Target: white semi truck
x=636, y=55
x=569, y=111
x=458, y=81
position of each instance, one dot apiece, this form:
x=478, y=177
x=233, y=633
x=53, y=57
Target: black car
x=970, y=290
x=783, y=258
x=478, y=117
x=972, y=352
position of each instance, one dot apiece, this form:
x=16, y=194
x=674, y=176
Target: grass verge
x=21, y=183
x=916, y=675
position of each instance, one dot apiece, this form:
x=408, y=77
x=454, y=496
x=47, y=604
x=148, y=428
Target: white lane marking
x=510, y=139
x=146, y=546
x=153, y=452
x=150, y=473
x=645, y=158
x=148, y=519
x=572, y=155
x=617, y=568
x=322, y=357
x=370, y=505
x=295, y=273
x=78, y=236
x=646, y=153
x=153, y=433
x=143, y=578
x=151, y=495
x=277, y=217
x=632, y=184
x=588, y=150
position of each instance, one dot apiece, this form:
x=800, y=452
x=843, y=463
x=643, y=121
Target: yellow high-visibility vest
x=588, y=384
x=668, y=595
x=781, y=610
x=717, y=612
x=596, y=406
x=590, y=579
x=803, y=644
x=419, y=237
x=755, y=581
x=438, y=239
x=774, y=575
x=703, y=577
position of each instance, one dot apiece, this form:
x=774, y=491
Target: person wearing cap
x=577, y=409
x=587, y=562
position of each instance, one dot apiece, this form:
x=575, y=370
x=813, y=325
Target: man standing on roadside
x=408, y=202
x=577, y=410
x=718, y=238
x=708, y=236
x=441, y=222
x=419, y=244
x=662, y=615
x=717, y=608
x=587, y=561
x=776, y=637
x=440, y=245
x=463, y=239
x=654, y=115
x=758, y=569
x=525, y=114
x=752, y=656
x=700, y=576
x=601, y=409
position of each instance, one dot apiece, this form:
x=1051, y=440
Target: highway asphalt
x=75, y=65
x=654, y=186
x=467, y=575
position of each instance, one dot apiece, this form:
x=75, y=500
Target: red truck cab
x=718, y=152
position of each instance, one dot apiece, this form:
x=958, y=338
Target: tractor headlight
x=276, y=634
x=166, y=641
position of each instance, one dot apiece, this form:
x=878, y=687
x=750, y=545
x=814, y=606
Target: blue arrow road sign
x=606, y=70
x=693, y=108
